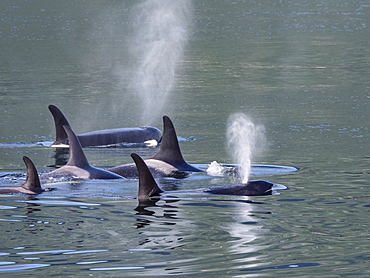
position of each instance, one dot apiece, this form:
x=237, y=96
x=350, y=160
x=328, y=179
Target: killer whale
x=148, y=188
x=77, y=166
x=168, y=162
x=32, y=186
x=106, y=137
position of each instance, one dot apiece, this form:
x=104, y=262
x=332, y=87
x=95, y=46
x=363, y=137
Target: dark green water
x=299, y=68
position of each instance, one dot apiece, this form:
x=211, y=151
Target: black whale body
x=148, y=188
x=105, y=137
x=77, y=166
x=168, y=162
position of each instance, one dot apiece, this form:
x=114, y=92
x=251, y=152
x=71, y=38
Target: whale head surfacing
x=251, y=188
x=148, y=188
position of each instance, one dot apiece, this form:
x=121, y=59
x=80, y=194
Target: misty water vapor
x=245, y=141
x=160, y=34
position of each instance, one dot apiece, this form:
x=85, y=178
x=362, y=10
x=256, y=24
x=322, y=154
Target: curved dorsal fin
x=76, y=154
x=32, y=182
x=147, y=185
x=59, y=121
x=170, y=150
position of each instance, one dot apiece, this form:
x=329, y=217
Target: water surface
x=300, y=69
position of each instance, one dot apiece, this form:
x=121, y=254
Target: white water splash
x=157, y=48
x=215, y=169
x=245, y=140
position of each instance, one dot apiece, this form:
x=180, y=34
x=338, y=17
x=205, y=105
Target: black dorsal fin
x=32, y=182
x=170, y=150
x=59, y=121
x=147, y=185
x=76, y=154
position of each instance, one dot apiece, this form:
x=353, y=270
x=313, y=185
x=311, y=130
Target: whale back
x=77, y=165
x=170, y=150
x=252, y=188
x=147, y=185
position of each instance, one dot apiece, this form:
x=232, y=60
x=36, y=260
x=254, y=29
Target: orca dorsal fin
x=59, y=120
x=76, y=154
x=147, y=185
x=169, y=150
x=33, y=181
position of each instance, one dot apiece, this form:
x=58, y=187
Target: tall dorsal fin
x=170, y=150
x=147, y=185
x=32, y=182
x=59, y=121
x=76, y=154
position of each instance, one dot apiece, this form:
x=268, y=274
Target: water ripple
x=21, y=267
x=116, y=268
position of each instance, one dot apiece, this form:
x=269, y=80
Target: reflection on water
x=61, y=157
x=149, y=208
x=245, y=230
x=35, y=202
x=179, y=230
x=19, y=267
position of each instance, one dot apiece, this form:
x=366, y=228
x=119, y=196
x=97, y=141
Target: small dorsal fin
x=32, y=182
x=170, y=150
x=59, y=121
x=76, y=154
x=147, y=185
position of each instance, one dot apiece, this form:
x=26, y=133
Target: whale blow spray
x=245, y=140
x=160, y=35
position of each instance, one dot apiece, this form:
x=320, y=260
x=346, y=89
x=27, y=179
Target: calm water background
x=299, y=68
